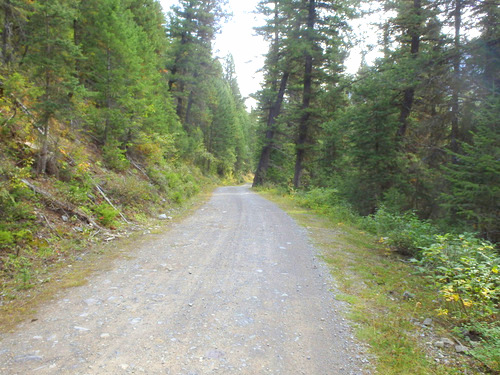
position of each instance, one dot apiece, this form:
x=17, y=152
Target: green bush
x=130, y=190
x=488, y=335
x=6, y=239
x=466, y=271
x=106, y=214
x=114, y=156
x=329, y=202
x=74, y=191
x=405, y=232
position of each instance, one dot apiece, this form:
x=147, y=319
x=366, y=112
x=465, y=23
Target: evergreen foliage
x=413, y=131
x=109, y=96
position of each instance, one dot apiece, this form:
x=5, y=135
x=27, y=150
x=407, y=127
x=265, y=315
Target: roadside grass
x=388, y=301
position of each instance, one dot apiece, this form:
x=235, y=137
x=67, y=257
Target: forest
x=112, y=112
x=113, y=98
x=417, y=130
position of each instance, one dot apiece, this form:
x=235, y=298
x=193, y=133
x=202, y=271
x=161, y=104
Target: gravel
x=234, y=289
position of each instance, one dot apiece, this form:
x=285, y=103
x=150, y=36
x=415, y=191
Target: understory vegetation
x=457, y=272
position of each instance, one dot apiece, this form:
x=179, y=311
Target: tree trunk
x=274, y=112
x=456, y=84
x=6, y=32
x=274, y=109
x=306, y=99
x=188, y=108
x=492, y=39
x=409, y=93
x=44, y=151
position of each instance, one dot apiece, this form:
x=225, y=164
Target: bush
x=114, y=156
x=74, y=191
x=329, y=202
x=466, y=271
x=405, y=232
x=6, y=239
x=106, y=214
x=130, y=190
x=489, y=337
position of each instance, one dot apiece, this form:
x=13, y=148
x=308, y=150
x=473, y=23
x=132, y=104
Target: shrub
x=130, y=189
x=489, y=337
x=6, y=239
x=106, y=214
x=466, y=271
x=74, y=191
x=329, y=202
x=114, y=156
x=405, y=232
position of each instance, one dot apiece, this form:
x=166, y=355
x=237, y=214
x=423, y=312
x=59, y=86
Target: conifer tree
x=51, y=57
x=475, y=177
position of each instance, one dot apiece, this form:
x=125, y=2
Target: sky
x=238, y=38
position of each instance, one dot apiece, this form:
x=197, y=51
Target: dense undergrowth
x=458, y=272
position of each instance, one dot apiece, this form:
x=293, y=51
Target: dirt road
x=234, y=289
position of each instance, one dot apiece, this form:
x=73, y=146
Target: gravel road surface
x=234, y=289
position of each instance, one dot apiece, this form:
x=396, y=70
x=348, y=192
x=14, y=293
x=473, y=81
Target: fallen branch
x=61, y=206
x=99, y=189
x=50, y=225
x=138, y=167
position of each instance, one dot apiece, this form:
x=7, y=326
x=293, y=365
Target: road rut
x=234, y=289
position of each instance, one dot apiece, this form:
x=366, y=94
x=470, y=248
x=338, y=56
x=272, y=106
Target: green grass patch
x=376, y=282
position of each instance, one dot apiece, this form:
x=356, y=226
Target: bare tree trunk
x=107, y=122
x=306, y=100
x=6, y=32
x=456, y=84
x=274, y=109
x=274, y=112
x=44, y=151
x=409, y=93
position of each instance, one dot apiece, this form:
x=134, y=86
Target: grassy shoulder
x=394, y=309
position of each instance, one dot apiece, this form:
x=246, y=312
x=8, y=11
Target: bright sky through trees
x=238, y=38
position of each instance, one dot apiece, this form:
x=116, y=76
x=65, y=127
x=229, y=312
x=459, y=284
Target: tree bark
x=274, y=112
x=456, y=84
x=44, y=150
x=306, y=99
x=409, y=93
x=6, y=32
x=274, y=109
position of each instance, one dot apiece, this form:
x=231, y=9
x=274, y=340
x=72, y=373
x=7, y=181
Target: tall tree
x=277, y=74
x=193, y=25
x=51, y=57
x=307, y=91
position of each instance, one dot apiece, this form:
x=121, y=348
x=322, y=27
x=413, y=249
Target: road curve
x=234, y=289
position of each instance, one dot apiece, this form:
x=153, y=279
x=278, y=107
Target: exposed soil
x=234, y=289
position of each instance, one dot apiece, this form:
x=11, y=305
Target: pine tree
x=51, y=58
x=475, y=177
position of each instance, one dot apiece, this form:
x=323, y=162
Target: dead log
x=61, y=206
